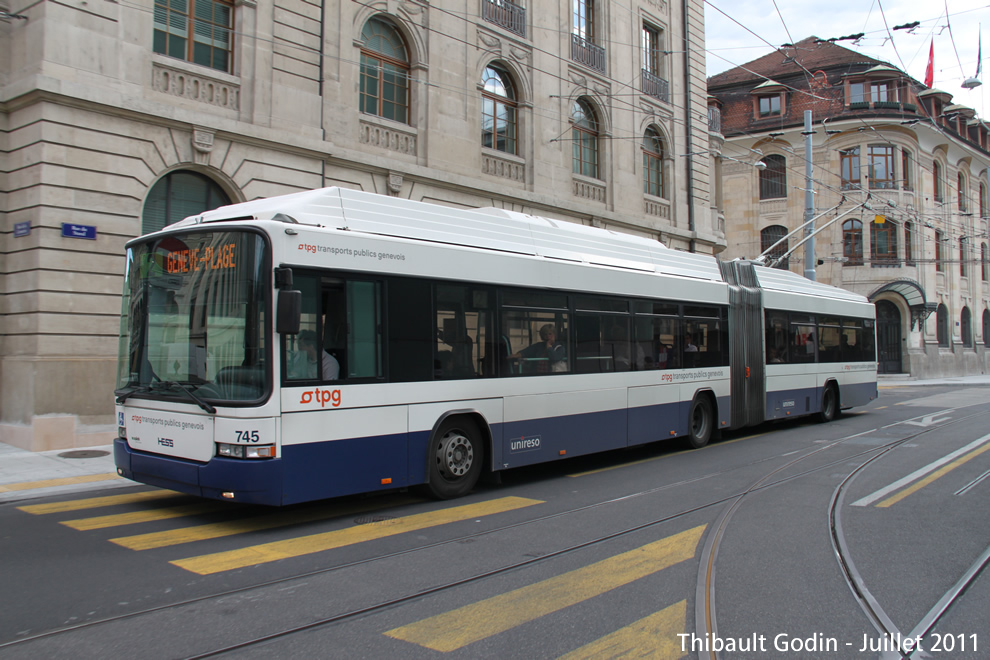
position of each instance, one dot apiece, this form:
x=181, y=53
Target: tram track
x=868, y=603
x=705, y=612
x=708, y=558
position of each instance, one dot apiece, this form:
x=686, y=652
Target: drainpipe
x=688, y=124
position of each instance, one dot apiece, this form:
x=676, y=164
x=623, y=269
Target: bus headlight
x=245, y=451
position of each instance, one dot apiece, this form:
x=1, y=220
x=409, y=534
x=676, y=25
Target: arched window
x=178, y=195
x=773, y=179
x=584, y=138
x=963, y=193
x=966, y=328
x=768, y=237
x=986, y=328
x=499, y=127
x=984, y=209
x=852, y=242
x=653, y=164
x=984, y=262
x=937, y=182
x=942, y=325
x=384, y=72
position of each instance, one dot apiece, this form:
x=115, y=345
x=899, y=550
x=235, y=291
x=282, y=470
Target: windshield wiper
x=175, y=385
x=137, y=389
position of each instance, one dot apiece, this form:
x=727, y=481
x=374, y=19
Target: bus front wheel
x=456, y=456
x=701, y=422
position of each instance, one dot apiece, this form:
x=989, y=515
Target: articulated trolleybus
x=333, y=342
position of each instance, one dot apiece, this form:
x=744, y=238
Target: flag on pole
x=930, y=71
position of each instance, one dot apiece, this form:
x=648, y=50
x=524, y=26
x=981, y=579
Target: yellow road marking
x=267, y=521
x=65, y=481
x=134, y=517
x=456, y=629
x=652, y=637
x=894, y=499
x=297, y=547
x=96, y=502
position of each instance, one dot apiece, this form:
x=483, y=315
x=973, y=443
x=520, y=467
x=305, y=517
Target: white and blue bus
x=333, y=342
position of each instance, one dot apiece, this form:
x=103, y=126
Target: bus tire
x=830, y=404
x=456, y=457
x=700, y=422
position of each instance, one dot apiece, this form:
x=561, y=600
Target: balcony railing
x=586, y=53
x=656, y=86
x=505, y=14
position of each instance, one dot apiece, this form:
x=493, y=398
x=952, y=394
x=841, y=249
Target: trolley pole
x=809, y=201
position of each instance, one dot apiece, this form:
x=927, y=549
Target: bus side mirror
x=289, y=312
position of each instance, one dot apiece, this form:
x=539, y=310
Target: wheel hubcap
x=455, y=455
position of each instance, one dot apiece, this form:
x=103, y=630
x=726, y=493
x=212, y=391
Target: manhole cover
x=84, y=453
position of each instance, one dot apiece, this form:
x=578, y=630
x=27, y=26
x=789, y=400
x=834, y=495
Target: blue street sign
x=78, y=231
x=22, y=229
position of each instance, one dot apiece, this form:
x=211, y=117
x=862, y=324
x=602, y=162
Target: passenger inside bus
x=303, y=363
x=544, y=356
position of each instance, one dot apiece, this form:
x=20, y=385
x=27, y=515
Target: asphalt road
x=792, y=540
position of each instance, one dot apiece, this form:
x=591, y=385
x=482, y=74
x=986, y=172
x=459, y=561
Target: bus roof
x=486, y=228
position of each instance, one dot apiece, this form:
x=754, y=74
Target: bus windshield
x=193, y=319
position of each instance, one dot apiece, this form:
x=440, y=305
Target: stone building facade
x=899, y=179
x=119, y=118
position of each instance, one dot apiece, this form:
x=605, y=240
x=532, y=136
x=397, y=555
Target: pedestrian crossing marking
x=63, y=481
x=304, y=545
x=653, y=637
x=97, y=502
x=456, y=629
x=149, y=515
x=259, y=523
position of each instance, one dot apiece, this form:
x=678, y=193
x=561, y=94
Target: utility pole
x=809, y=201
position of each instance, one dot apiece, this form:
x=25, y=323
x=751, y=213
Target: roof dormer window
x=769, y=105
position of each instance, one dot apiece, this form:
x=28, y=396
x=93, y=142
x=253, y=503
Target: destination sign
x=205, y=258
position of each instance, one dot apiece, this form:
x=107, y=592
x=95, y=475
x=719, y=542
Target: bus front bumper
x=249, y=481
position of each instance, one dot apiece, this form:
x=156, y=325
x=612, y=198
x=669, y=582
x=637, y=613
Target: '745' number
x=247, y=436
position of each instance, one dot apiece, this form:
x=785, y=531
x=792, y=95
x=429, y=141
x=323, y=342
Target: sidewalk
x=27, y=475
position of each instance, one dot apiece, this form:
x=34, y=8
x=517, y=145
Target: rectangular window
x=652, y=50
x=202, y=35
x=829, y=342
x=655, y=339
x=964, y=257
x=340, y=335
x=849, y=168
x=906, y=182
x=776, y=338
x=883, y=92
x=881, y=158
x=536, y=341
x=939, y=251
x=884, y=245
x=584, y=19
x=464, y=345
x=769, y=106
x=801, y=344
x=857, y=93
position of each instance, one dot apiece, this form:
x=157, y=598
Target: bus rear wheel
x=701, y=422
x=456, y=456
x=830, y=404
